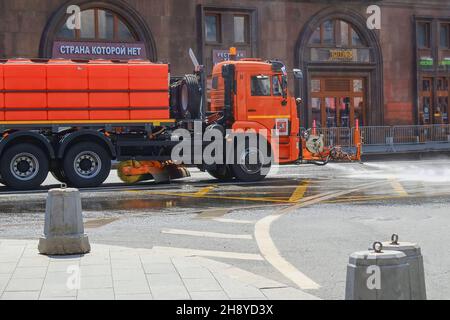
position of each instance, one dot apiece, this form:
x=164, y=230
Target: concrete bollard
x=64, y=229
x=378, y=275
x=415, y=261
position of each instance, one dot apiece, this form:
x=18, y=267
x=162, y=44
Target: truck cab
x=258, y=99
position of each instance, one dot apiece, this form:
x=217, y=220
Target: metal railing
x=336, y=136
x=387, y=135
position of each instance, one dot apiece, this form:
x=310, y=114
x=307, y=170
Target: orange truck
x=74, y=118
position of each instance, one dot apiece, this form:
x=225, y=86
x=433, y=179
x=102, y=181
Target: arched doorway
x=342, y=64
x=108, y=30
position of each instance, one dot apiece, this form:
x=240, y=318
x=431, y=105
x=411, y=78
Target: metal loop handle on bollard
x=394, y=239
x=377, y=247
x=63, y=186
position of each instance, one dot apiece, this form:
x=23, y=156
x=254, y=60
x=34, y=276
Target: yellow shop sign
x=336, y=55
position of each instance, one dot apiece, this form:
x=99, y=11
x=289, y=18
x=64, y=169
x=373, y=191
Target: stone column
x=64, y=229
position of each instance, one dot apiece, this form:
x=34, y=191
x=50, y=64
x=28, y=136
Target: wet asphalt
x=410, y=198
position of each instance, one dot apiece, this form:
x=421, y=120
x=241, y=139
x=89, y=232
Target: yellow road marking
x=299, y=192
x=193, y=195
x=202, y=192
x=365, y=199
x=397, y=186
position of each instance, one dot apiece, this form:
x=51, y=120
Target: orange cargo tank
x=97, y=90
x=25, y=90
x=64, y=79
x=149, y=90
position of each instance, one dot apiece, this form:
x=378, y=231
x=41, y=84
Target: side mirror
x=298, y=74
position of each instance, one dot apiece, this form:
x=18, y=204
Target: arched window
x=98, y=25
x=336, y=33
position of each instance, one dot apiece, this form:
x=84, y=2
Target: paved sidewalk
x=120, y=273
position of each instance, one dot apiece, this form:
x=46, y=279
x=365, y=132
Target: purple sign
x=99, y=50
x=224, y=55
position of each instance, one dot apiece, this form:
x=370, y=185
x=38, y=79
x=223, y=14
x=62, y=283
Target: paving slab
x=170, y=292
x=208, y=295
x=133, y=286
x=96, y=294
x=112, y=272
x=134, y=297
x=96, y=270
x=7, y=267
x=20, y=295
x=287, y=294
x=29, y=272
x=97, y=282
x=158, y=268
x=24, y=284
x=202, y=284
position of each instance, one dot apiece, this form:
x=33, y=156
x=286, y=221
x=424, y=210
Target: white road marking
x=233, y=221
x=270, y=252
x=207, y=253
x=206, y=234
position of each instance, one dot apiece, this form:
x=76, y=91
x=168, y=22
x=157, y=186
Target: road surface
x=297, y=227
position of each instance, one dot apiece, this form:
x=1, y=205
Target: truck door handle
x=251, y=110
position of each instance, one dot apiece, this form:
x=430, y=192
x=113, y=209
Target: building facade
x=397, y=74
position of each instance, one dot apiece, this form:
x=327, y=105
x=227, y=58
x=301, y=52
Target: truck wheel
x=59, y=175
x=251, y=172
x=86, y=164
x=189, y=97
x=24, y=167
x=222, y=173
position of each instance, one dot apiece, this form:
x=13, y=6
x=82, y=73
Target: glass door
x=337, y=102
x=441, y=112
x=426, y=101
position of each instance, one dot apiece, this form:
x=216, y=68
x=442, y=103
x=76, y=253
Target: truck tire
x=189, y=97
x=246, y=172
x=59, y=175
x=86, y=165
x=24, y=166
x=222, y=173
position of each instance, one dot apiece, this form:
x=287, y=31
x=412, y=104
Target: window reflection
x=316, y=113
x=344, y=33
x=260, y=85
x=98, y=24
x=87, y=30
x=212, y=28
x=105, y=25
x=336, y=32
x=240, y=29
x=315, y=85
x=328, y=32
x=277, y=88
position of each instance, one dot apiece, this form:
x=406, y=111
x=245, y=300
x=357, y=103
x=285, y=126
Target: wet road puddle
x=187, y=197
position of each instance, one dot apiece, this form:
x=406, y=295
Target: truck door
x=265, y=102
x=267, y=106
